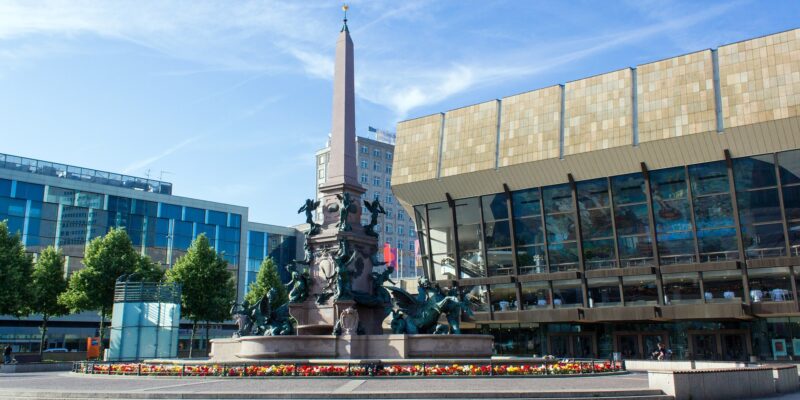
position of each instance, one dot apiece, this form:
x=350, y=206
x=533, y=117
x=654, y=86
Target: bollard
x=139, y=369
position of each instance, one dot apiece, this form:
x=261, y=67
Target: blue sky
x=232, y=99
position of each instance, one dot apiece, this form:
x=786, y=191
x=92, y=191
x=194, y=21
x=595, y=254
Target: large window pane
x=29, y=191
x=770, y=284
x=89, y=200
x=640, y=290
x=504, y=297
x=632, y=219
x=535, y=295
x=723, y=286
x=713, y=211
x=765, y=240
x=444, y=267
x=495, y=207
x=560, y=227
x=498, y=234
x=789, y=162
x=628, y=189
x=567, y=293
x=478, y=297
x=676, y=247
x=672, y=215
x=557, y=199
x=441, y=229
x=563, y=256
x=604, y=292
x=635, y=251
x=467, y=211
x=593, y=194
x=759, y=206
x=668, y=184
x=596, y=223
x=709, y=178
x=754, y=172
x=791, y=201
x=528, y=231
x=60, y=196
x=526, y=202
x=171, y=211
x=718, y=244
x=599, y=254
x=682, y=288
x=531, y=260
x=501, y=262
x=470, y=237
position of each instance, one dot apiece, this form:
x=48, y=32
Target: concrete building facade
x=375, y=158
x=608, y=214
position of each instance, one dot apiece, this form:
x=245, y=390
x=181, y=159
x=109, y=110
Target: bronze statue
x=298, y=284
x=375, y=208
x=241, y=314
x=278, y=322
x=421, y=314
x=344, y=211
x=308, y=254
x=309, y=208
x=344, y=284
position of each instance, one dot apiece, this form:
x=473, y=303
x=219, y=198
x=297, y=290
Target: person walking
x=7, y=355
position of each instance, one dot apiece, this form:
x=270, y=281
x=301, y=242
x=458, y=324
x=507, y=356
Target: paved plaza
x=75, y=386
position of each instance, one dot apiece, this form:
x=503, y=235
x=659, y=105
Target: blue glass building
x=50, y=204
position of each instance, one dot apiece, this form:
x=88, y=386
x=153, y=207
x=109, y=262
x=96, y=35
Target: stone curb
x=620, y=393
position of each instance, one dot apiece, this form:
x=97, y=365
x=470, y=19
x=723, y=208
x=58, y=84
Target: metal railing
x=72, y=172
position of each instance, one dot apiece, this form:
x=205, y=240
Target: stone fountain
x=338, y=300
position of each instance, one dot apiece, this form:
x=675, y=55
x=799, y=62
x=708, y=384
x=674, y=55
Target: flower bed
x=308, y=370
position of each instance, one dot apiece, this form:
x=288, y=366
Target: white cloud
x=139, y=164
x=283, y=37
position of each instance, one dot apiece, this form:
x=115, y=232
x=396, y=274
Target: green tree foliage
x=15, y=272
x=106, y=259
x=207, y=287
x=47, y=283
x=267, y=279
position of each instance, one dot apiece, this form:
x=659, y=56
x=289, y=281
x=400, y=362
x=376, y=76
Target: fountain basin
x=351, y=347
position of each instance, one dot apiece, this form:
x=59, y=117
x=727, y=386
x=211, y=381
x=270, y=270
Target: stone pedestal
x=312, y=318
x=350, y=347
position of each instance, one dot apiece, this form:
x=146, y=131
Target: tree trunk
x=191, y=340
x=44, y=334
x=102, y=331
x=208, y=343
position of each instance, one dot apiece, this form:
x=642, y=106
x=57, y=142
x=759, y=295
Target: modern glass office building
x=652, y=204
x=52, y=204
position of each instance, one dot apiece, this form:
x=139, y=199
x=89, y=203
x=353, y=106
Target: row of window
x=765, y=285
x=376, y=152
x=376, y=166
x=687, y=212
x=70, y=197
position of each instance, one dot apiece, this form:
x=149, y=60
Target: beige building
x=659, y=203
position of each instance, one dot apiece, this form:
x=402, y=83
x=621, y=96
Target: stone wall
x=758, y=81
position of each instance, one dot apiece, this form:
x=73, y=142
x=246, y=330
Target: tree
x=106, y=259
x=15, y=272
x=267, y=279
x=207, y=287
x=47, y=283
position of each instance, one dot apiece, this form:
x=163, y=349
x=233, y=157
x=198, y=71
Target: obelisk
x=341, y=241
x=342, y=171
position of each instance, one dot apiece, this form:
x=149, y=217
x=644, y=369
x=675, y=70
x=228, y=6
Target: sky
x=229, y=101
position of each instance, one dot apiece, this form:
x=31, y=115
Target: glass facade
x=635, y=240
x=261, y=245
x=68, y=219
